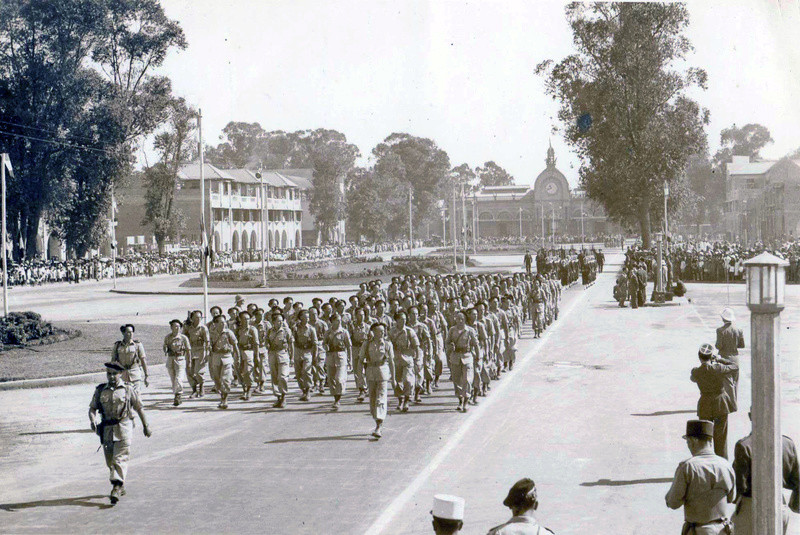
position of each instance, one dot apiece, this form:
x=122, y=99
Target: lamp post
x=666, y=196
x=464, y=225
x=453, y=228
x=410, y=234
x=766, y=281
x=583, y=239
x=474, y=223
x=264, y=253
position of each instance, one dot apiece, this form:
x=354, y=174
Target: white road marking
x=384, y=521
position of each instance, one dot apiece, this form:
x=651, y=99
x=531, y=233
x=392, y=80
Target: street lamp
x=766, y=281
x=264, y=229
x=666, y=196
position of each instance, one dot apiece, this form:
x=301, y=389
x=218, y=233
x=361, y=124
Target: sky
x=460, y=73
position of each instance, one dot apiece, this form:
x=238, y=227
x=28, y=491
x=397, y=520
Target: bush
x=21, y=328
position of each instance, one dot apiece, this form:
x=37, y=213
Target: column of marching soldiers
x=466, y=325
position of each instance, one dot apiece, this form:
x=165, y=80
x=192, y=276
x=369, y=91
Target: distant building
x=233, y=209
x=766, y=205
x=547, y=208
x=745, y=183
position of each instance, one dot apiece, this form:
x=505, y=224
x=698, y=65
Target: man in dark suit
x=641, y=275
x=714, y=403
x=729, y=341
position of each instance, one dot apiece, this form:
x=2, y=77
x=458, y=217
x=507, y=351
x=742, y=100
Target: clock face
x=551, y=188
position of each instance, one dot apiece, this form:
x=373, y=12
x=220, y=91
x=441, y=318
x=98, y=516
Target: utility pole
x=205, y=238
x=520, y=223
x=453, y=227
x=474, y=223
x=410, y=234
x=113, y=237
x=5, y=161
x=583, y=236
x=263, y=197
x=666, y=196
x=464, y=226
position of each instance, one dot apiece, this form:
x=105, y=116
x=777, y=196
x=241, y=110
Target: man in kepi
x=115, y=400
x=704, y=484
x=523, y=502
x=714, y=404
x=448, y=514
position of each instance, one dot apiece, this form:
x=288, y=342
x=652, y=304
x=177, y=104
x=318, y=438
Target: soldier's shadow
x=82, y=501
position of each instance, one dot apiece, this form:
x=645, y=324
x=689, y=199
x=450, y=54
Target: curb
x=64, y=380
x=237, y=291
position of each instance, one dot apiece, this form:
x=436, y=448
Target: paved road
x=594, y=413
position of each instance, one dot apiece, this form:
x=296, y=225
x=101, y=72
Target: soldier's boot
x=405, y=403
x=361, y=396
x=115, y=493
x=417, y=394
x=335, y=405
x=400, y=403
x=194, y=392
x=245, y=395
x=200, y=392
x=304, y=397
x=282, y=401
x=223, y=404
x=177, y=400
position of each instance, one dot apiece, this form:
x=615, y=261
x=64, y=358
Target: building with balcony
x=240, y=209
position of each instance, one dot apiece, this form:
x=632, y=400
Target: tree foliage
x=416, y=163
x=745, y=141
x=624, y=108
x=75, y=93
x=376, y=207
x=174, y=146
x=491, y=174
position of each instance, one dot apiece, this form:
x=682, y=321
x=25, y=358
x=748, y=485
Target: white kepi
x=448, y=507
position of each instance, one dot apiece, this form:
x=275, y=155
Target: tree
x=376, y=205
x=745, y=141
x=174, y=146
x=74, y=95
x=624, y=108
x=492, y=174
x=706, y=195
x=417, y=163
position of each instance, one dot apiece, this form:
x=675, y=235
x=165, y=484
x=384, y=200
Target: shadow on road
x=662, y=413
x=360, y=436
x=57, y=432
x=622, y=482
x=83, y=501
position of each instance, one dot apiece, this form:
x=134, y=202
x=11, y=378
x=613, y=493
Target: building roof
x=301, y=181
x=513, y=188
x=271, y=178
x=191, y=171
x=741, y=165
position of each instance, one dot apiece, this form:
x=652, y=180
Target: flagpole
x=205, y=253
x=5, y=251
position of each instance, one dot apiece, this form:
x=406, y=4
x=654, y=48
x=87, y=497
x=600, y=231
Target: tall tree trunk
x=31, y=232
x=644, y=224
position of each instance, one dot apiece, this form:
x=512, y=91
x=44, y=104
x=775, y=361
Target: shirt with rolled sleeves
x=305, y=338
x=198, y=336
x=404, y=341
x=279, y=339
x=116, y=402
x=130, y=355
x=704, y=485
x=176, y=345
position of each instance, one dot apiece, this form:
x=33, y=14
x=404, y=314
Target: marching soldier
x=247, y=338
x=703, y=485
x=305, y=353
x=338, y=358
x=115, y=401
x=359, y=332
x=319, y=363
x=462, y=345
x=377, y=362
x=224, y=347
x=280, y=344
x=177, y=349
x=199, y=344
x=406, y=346
x=130, y=354
x=422, y=360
